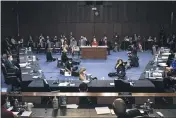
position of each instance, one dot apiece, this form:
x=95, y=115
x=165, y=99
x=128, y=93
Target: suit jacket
x=9, y=64
x=6, y=114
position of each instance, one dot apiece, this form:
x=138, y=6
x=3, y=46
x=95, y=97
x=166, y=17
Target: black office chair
x=10, y=78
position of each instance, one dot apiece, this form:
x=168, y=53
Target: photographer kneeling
x=71, y=69
x=133, y=61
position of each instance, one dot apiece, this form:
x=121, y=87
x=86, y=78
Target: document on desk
x=26, y=113
x=35, y=77
x=28, y=67
x=24, y=73
x=63, y=84
x=23, y=65
x=160, y=114
x=112, y=84
x=72, y=106
x=15, y=113
x=10, y=108
x=102, y=110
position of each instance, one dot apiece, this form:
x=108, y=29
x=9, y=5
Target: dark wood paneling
x=84, y=29
x=54, y=18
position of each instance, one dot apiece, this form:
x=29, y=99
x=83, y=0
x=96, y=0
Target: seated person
x=10, y=65
x=83, y=76
x=120, y=68
x=4, y=112
x=49, y=56
x=172, y=69
x=94, y=43
x=70, y=68
x=64, y=58
x=170, y=58
x=133, y=60
x=83, y=87
x=119, y=107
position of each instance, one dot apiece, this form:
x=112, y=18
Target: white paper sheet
x=10, y=108
x=35, y=77
x=25, y=73
x=21, y=53
x=63, y=84
x=141, y=111
x=160, y=114
x=112, y=84
x=28, y=67
x=102, y=110
x=67, y=74
x=22, y=65
x=29, y=60
x=15, y=113
x=112, y=112
x=26, y=113
x=72, y=84
x=72, y=106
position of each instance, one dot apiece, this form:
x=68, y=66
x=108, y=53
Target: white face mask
x=84, y=72
x=11, y=59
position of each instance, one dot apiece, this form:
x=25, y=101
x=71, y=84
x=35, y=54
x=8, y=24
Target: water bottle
x=26, y=51
x=145, y=106
x=103, y=78
x=16, y=103
x=8, y=104
x=55, y=103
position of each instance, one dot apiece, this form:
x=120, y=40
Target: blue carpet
x=98, y=68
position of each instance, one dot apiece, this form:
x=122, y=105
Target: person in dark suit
x=119, y=107
x=4, y=112
x=70, y=68
x=120, y=68
x=10, y=64
x=49, y=56
x=64, y=57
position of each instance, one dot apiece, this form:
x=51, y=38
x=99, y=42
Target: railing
x=80, y=94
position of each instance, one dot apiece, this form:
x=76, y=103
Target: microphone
x=49, y=100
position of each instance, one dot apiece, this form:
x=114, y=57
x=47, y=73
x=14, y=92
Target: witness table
x=88, y=52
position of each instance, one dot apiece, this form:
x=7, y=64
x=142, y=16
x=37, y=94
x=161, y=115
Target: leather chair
x=10, y=77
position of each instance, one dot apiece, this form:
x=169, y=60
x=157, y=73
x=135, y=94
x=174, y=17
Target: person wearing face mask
x=120, y=68
x=70, y=68
x=10, y=65
x=94, y=43
x=4, y=112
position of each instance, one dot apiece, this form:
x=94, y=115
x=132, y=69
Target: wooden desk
x=88, y=52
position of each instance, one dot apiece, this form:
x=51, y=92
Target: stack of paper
x=26, y=113
x=102, y=110
x=28, y=67
x=72, y=106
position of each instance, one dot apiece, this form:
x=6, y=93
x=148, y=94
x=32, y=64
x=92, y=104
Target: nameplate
x=125, y=94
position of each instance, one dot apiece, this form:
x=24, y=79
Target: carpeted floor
x=98, y=68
